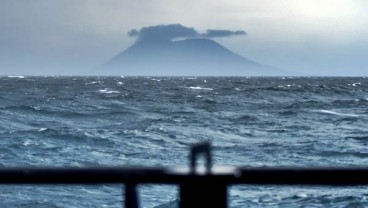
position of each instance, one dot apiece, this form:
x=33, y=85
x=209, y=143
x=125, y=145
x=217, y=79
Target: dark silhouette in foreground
x=197, y=187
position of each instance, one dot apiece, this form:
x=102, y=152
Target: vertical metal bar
x=198, y=194
x=131, y=196
x=202, y=191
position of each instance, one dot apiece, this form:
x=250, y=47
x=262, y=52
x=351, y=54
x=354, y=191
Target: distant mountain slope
x=193, y=57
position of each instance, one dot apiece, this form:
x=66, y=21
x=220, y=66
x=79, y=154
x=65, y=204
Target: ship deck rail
x=198, y=186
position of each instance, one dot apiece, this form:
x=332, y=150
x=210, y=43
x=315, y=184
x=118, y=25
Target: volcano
x=189, y=57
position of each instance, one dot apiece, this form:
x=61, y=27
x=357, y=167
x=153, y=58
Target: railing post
x=203, y=193
x=131, y=196
x=202, y=190
x=203, y=148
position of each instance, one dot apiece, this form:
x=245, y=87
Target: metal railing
x=198, y=187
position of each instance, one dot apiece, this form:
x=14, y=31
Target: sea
x=57, y=121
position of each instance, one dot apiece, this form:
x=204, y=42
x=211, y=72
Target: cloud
x=172, y=31
x=163, y=32
x=133, y=33
x=222, y=33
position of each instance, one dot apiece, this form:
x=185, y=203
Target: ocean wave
x=330, y=112
x=355, y=84
x=358, y=138
x=42, y=129
x=170, y=204
x=88, y=121
x=21, y=107
x=108, y=91
x=199, y=88
x=350, y=102
x=93, y=82
x=20, y=77
x=244, y=119
x=289, y=86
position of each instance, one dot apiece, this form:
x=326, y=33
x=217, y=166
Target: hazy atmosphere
x=44, y=37
x=102, y=103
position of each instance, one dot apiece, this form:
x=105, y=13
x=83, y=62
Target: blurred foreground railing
x=206, y=187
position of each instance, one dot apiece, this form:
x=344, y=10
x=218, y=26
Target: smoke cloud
x=169, y=32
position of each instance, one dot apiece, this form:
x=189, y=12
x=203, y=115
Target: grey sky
x=328, y=37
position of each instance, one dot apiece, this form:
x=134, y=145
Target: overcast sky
x=320, y=37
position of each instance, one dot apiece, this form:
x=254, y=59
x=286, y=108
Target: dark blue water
x=99, y=121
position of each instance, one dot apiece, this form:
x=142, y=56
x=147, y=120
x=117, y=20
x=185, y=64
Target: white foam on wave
x=355, y=84
x=337, y=113
x=302, y=195
x=289, y=86
x=90, y=83
x=42, y=129
x=100, y=154
x=108, y=91
x=27, y=142
x=20, y=77
x=199, y=88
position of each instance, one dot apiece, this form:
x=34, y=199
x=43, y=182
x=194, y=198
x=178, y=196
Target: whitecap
x=89, y=83
x=42, y=129
x=302, y=195
x=355, y=84
x=100, y=154
x=108, y=91
x=289, y=86
x=120, y=83
x=20, y=77
x=27, y=142
x=199, y=88
x=284, y=86
x=337, y=113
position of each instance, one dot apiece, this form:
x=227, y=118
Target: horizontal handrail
x=206, y=187
x=100, y=175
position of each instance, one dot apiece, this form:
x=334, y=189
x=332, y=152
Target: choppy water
x=98, y=121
